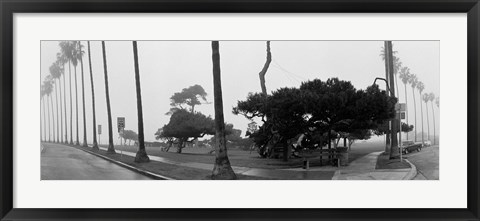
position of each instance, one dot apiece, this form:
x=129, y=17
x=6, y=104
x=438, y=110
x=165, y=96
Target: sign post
x=99, y=133
x=121, y=127
x=400, y=108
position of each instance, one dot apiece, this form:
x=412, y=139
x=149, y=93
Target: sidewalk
x=361, y=169
x=321, y=173
x=364, y=169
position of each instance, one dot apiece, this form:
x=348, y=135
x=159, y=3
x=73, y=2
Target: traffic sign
x=402, y=115
x=99, y=129
x=120, y=122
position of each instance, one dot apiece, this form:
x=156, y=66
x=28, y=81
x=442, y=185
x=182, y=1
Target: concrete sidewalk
x=361, y=169
x=364, y=169
x=321, y=173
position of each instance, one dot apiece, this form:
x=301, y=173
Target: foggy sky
x=167, y=67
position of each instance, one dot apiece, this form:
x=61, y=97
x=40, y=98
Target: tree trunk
x=71, y=105
x=180, y=146
x=76, y=103
x=61, y=110
x=111, y=148
x=44, y=121
x=49, y=125
x=95, y=144
x=83, y=98
x=415, y=112
x=428, y=121
x=433, y=113
x=406, y=104
x=48, y=119
x=56, y=113
x=141, y=156
x=264, y=70
x=387, y=77
x=394, y=142
x=65, y=104
x=421, y=113
x=222, y=169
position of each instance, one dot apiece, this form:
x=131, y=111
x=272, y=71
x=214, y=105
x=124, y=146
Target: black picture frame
x=9, y=7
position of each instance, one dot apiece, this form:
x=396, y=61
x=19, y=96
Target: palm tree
x=47, y=86
x=431, y=97
x=141, y=156
x=80, y=53
x=405, y=75
x=42, y=96
x=61, y=60
x=397, y=64
x=222, y=168
x=55, y=72
x=426, y=98
x=111, y=148
x=95, y=144
x=413, y=80
x=420, y=88
x=67, y=53
x=75, y=58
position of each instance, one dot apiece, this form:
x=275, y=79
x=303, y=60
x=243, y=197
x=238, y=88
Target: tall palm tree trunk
x=56, y=113
x=387, y=77
x=61, y=110
x=44, y=120
x=65, y=105
x=76, y=104
x=95, y=144
x=83, y=98
x=111, y=148
x=433, y=113
x=415, y=113
x=428, y=121
x=141, y=156
x=53, y=118
x=406, y=103
x=48, y=114
x=71, y=105
x=222, y=168
x=421, y=113
x=394, y=126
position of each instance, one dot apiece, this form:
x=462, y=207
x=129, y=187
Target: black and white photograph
x=239, y=110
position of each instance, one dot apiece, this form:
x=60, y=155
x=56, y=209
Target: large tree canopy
x=325, y=107
x=185, y=127
x=190, y=96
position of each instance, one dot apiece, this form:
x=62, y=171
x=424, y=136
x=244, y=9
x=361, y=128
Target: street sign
x=400, y=107
x=402, y=115
x=99, y=129
x=120, y=123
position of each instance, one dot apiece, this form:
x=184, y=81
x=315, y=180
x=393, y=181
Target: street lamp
x=399, y=117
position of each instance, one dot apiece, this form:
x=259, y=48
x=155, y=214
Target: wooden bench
x=310, y=154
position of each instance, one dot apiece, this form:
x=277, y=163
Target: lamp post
x=399, y=116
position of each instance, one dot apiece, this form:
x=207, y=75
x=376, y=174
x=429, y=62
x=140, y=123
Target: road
x=427, y=163
x=60, y=162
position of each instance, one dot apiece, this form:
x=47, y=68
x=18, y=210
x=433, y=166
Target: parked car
x=427, y=143
x=409, y=146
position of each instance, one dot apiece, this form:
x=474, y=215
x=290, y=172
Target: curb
x=412, y=173
x=132, y=168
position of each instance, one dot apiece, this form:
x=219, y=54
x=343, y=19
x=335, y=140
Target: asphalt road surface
x=427, y=163
x=60, y=162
